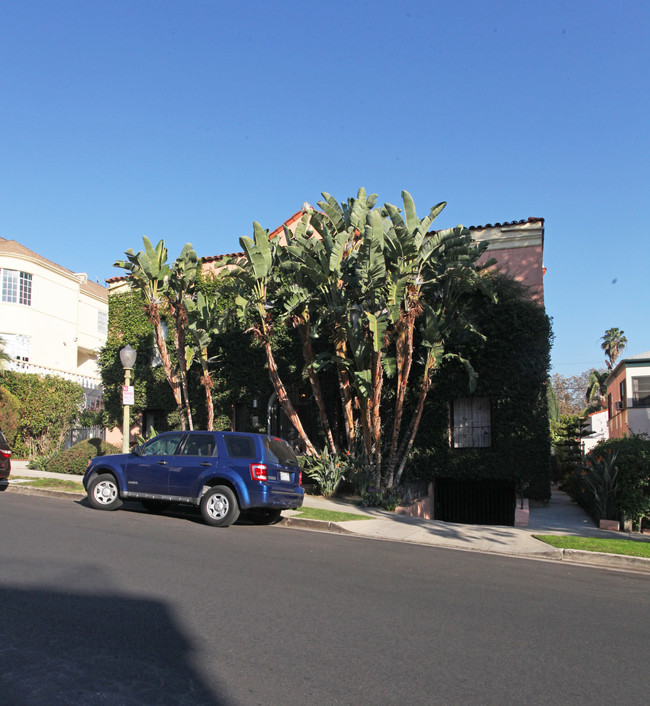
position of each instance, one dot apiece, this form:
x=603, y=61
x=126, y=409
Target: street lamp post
x=127, y=357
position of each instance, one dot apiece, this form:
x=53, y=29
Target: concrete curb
x=44, y=492
x=320, y=525
x=606, y=561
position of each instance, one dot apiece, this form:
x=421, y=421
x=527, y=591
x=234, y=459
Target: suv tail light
x=258, y=471
x=5, y=452
x=300, y=478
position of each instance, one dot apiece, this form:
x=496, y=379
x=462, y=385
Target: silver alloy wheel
x=217, y=506
x=105, y=492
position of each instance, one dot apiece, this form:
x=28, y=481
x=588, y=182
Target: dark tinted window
x=280, y=452
x=198, y=445
x=2, y=439
x=240, y=446
x=164, y=445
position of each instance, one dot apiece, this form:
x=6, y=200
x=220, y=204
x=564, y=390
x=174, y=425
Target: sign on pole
x=128, y=394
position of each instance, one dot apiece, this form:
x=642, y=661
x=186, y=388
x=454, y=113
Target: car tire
x=104, y=493
x=265, y=515
x=155, y=505
x=219, y=507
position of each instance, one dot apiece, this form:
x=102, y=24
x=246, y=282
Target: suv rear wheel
x=219, y=506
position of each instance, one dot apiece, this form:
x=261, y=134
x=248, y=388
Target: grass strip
x=313, y=513
x=50, y=483
x=628, y=547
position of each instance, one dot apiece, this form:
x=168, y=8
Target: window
x=164, y=445
x=279, y=451
x=198, y=445
x=240, y=446
x=641, y=392
x=471, y=423
x=622, y=391
x=16, y=287
x=102, y=322
x=15, y=346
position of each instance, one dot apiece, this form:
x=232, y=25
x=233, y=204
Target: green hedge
x=75, y=459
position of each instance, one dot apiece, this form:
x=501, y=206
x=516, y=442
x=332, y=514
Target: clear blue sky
x=189, y=119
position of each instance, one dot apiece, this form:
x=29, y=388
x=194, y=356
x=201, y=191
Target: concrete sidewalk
x=560, y=516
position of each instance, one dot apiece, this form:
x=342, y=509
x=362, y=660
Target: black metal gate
x=475, y=502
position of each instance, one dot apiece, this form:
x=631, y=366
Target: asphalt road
x=133, y=608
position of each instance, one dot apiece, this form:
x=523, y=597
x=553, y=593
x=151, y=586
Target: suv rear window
x=240, y=446
x=280, y=452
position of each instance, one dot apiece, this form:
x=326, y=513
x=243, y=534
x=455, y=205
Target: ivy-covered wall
x=512, y=365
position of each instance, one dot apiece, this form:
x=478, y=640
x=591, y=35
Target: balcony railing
x=90, y=382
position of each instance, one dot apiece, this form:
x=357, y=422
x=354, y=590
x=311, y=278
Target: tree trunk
x=345, y=391
x=206, y=381
x=284, y=400
x=404, y=354
x=154, y=317
x=308, y=354
x=407, y=444
x=182, y=364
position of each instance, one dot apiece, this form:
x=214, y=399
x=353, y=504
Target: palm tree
x=178, y=293
x=203, y=323
x=613, y=342
x=149, y=274
x=254, y=273
x=597, y=391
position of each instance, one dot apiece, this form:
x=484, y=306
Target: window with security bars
x=471, y=423
x=16, y=287
x=641, y=391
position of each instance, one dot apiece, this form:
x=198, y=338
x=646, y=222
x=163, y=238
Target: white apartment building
x=53, y=321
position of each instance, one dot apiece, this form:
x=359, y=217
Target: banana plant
x=179, y=292
x=258, y=269
x=149, y=273
x=204, y=322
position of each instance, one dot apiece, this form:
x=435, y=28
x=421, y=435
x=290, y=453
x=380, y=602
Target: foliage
x=571, y=392
x=632, y=455
x=596, y=394
x=9, y=415
x=328, y=470
x=363, y=281
x=600, y=478
x=75, y=459
x=613, y=342
x=512, y=364
x=49, y=406
x=388, y=498
x=4, y=357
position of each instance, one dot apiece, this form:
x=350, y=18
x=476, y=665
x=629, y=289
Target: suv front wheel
x=219, y=506
x=103, y=493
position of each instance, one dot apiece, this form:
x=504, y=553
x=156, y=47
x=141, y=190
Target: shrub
x=75, y=459
x=9, y=415
x=327, y=470
x=630, y=486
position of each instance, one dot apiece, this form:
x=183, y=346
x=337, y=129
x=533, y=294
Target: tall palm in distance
x=613, y=342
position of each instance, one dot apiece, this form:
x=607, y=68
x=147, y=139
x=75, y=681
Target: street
x=128, y=607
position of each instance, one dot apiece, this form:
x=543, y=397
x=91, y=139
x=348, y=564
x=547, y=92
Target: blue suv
x=224, y=473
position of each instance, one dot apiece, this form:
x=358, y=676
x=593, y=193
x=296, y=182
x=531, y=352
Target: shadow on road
x=61, y=648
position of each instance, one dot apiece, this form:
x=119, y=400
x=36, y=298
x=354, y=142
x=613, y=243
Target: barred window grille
x=471, y=423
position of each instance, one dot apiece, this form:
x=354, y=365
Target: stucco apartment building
x=628, y=396
x=53, y=321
